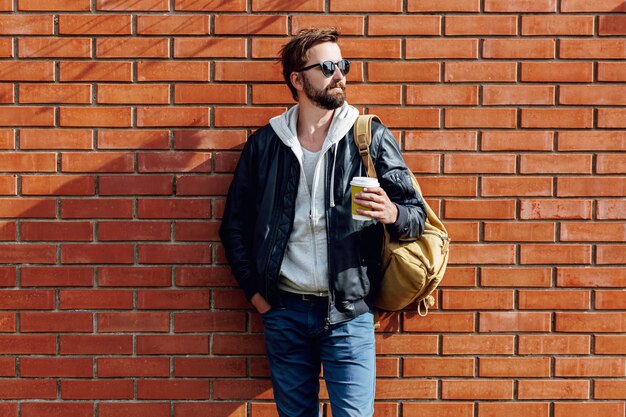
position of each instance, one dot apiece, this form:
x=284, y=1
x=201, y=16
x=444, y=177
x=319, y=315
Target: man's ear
x=296, y=81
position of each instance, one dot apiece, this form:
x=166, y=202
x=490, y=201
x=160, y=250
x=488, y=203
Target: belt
x=311, y=298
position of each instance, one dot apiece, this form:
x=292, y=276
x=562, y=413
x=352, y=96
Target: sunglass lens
x=328, y=68
x=344, y=66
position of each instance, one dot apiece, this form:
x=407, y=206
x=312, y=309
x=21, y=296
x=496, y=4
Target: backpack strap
x=363, y=140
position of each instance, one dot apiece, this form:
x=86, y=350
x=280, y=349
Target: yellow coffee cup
x=358, y=183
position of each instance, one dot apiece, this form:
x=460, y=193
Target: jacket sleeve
x=395, y=179
x=238, y=222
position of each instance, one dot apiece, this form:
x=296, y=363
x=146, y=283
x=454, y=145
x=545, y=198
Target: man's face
x=327, y=93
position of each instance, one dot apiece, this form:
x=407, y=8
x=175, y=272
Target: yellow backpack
x=412, y=269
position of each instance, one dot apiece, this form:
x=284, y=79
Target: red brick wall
x=121, y=122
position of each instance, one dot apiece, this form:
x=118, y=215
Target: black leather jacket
x=260, y=209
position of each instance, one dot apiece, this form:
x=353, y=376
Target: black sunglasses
x=328, y=67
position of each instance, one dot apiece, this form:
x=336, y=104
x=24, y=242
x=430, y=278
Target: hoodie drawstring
x=332, y=178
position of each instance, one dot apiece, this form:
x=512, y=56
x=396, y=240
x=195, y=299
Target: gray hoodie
x=305, y=265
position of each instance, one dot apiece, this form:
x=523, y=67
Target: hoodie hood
x=285, y=126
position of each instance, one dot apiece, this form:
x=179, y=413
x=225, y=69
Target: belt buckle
x=313, y=297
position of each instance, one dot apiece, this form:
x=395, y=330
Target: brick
x=213, y=276
x=371, y=48
x=557, y=72
x=26, y=24
x=573, y=6
x=133, y=367
x=56, y=5
x=522, y=232
x=105, y=208
x=97, y=162
x=209, y=139
x=28, y=208
x=611, y=118
x=611, y=25
x=545, y=389
x=26, y=71
x=113, y=71
x=178, y=253
x=591, y=277
x=477, y=389
x=554, y=299
x=611, y=209
x=28, y=345
x=8, y=231
x=278, y=94
x=600, y=187
x=132, y=48
x=97, y=253
x=367, y=94
x=238, y=345
x=136, y=276
x=95, y=116
x=58, y=185
x=477, y=254
x=56, y=367
x=245, y=116
x=555, y=209
x=610, y=300
x=432, y=367
x=210, y=367
x=408, y=117
x=516, y=140
x=525, y=408
x=135, y=185
x=181, y=116
x=174, y=162
x=608, y=95
x=407, y=389
x=250, y=24
x=209, y=47
x=406, y=344
x=27, y=116
x=592, y=48
x=6, y=51
x=609, y=389
x=279, y=6
x=477, y=300
x=347, y=24
x=7, y=138
x=210, y=93
x=402, y=71
x=172, y=71
x=443, y=322
x=36, y=47
x=480, y=25
x=514, y=367
x=591, y=322
x=6, y=93
x=197, y=231
x=28, y=253
x=610, y=344
x=442, y=95
x=610, y=164
x=133, y=139
x=477, y=209
x=54, y=93
x=97, y=389
x=133, y=322
x=557, y=25
x=463, y=231
x=8, y=323
x=559, y=164
x=461, y=163
x=443, y=6
x=95, y=299
x=133, y=409
x=515, y=322
x=557, y=118
x=591, y=367
x=515, y=277
x=440, y=140
x=365, y=6
x=56, y=231
x=28, y=389
x=180, y=208
x=188, y=24
x=27, y=162
x=247, y=71
x=480, y=71
x=441, y=48
x=209, y=322
x=554, y=344
x=96, y=345
x=56, y=322
x=507, y=95
x=518, y=48
x=132, y=5
x=7, y=6
x=591, y=232
x=113, y=24
x=224, y=299
x=385, y=25
x=523, y=6
x=591, y=409
x=186, y=345
x=211, y=6
x=57, y=276
x=269, y=47
x=555, y=254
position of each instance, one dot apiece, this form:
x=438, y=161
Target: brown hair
x=293, y=54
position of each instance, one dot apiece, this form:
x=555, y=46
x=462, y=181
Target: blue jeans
x=297, y=344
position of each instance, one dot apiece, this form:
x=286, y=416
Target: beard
x=325, y=98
